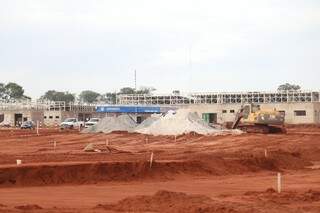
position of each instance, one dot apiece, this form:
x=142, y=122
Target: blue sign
x=128, y=109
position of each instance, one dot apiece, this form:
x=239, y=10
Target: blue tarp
x=128, y=109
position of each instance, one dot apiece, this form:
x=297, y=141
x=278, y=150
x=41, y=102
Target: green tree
x=14, y=91
x=109, y=97
x=2, y=91
x=288, y=87
x=127, y=90
x=52, y=95
x=145, y=90
x=142, y=90
x=89, y=96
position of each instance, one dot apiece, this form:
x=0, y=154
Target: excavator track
x=263, y=129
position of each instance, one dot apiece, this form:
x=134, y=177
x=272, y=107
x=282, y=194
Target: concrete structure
x=59, y=111
x=295, y=113
x=54, y=118
x=221, y=98
x=300, y=107
x=47, y=113
x=16, y=117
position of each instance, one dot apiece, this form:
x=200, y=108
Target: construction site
x=159, y=106
x=299, y=107
x=164, y=153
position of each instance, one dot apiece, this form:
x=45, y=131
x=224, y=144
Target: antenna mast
x=135, y=80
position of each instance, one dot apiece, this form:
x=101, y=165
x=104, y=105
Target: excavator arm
x=238, y=118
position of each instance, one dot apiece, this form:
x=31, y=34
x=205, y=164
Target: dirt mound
x=271, y=190
x=302, y=126
x=270, y=195
x=289, y=160
x=260, y=163
x=28, y=207
x=276, y=161
x=166, y=201
x=82, y=173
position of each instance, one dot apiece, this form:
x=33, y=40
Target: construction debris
x=99, y=147
x=89, y=148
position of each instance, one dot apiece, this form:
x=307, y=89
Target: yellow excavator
x=252, y=119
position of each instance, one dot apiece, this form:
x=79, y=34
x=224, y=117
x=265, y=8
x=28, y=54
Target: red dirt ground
x=191, y=173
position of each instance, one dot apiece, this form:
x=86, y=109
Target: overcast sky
x=211, y=45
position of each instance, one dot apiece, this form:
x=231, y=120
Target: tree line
x=14, y=92
x=89, y=96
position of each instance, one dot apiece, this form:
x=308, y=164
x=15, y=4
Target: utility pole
x=135, y=80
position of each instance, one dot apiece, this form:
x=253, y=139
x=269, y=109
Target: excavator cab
x=247, y=109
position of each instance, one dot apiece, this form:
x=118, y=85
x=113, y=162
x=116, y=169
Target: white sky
x=211, y=45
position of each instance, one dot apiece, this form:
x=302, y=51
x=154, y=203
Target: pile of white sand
x=180, y=122
x=110, y=124
x=147, y=122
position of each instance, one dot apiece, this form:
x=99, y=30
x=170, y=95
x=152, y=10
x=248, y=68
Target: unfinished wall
x=27, y=115
x=8, y=118
x=225, y=112
x=54, y=118
x=317, y=113
x=292, y=110
x=295, y=113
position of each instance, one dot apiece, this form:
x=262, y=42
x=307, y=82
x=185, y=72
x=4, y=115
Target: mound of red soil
x=302, y=126
x=276, y=161
x=28, y=207
x=287, y=160
x=166, y=201
x=270, y=195
x=83, y=173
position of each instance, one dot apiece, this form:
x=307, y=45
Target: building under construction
x=47, y=113
x=299, y=107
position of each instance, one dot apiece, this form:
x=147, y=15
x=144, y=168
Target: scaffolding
x=172, y=99
x=46, y=106
x=221, y=98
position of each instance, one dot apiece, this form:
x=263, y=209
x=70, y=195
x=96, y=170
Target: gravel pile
x=182, y=121
x=148, y=122
x=111, y=124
